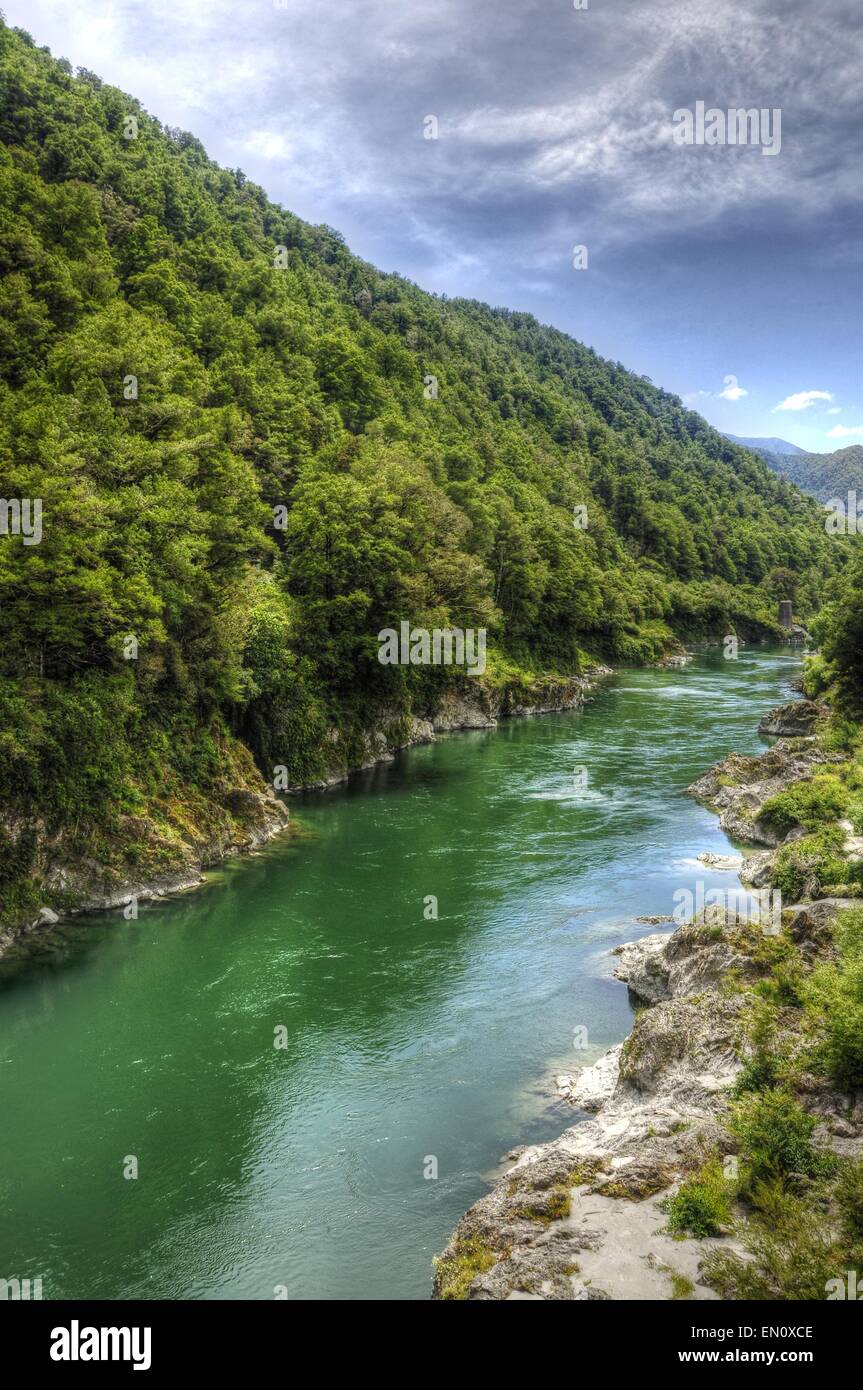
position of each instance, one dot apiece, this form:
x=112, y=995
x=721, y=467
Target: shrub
x=762, y=1068
x=790, y=1253
x=802, y=867
x=811, y=804
x=849, y=1198
x=775, y=1137
x=783, y=981
x=702, y=1206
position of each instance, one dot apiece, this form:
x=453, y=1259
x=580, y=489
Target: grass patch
x=835, y=999
x=681, y=1286
x=553, y=1207
x=456, y=1272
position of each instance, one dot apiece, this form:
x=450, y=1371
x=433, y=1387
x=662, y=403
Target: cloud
x=542, y=109
x=555, y=130
x=802, y=400
x=733, y=390
x=844, y=431
x=835, y=410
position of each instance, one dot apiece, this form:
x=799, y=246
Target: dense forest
x=253, y=451
x=829, y=477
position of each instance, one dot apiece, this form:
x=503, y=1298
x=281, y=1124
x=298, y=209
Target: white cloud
x=733, y=390
x=266, y=143
x=835, y=410
x=802, y=400
x=844, y=431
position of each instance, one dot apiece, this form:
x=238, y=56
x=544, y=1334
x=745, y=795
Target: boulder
x=797, y=719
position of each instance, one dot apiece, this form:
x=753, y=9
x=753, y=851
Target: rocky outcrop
x=723, y=863
x=580, y=1218
x=673, y=661
x=239, y=819
x=797, y=719
x=475, y=705
x=481, y=707
x=756, y=871
x=810, y=926
x=459, y=710
x=691, y=959
x=738, y=787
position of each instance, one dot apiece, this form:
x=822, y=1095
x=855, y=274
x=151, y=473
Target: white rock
x=592, y=1086
x=723, y=862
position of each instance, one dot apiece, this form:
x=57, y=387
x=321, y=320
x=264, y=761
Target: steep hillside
x=826, y=476
x=251, y=452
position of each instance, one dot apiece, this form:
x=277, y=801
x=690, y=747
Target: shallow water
x=408, y=1040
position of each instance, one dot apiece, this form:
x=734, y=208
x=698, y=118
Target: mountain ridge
x=770, y=444
x=828, y=477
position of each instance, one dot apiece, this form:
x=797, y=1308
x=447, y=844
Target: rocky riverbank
x=151, y=857
x=475, y=705
x=148, y=856
x=585, y=1216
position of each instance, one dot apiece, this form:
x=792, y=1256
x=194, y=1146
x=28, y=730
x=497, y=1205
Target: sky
x=730, y=274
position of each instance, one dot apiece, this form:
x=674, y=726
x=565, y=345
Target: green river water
x=408, y=1039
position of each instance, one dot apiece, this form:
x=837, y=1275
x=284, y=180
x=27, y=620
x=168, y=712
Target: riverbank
x=153, y=857
x=409, y=1034
x=606, y=1210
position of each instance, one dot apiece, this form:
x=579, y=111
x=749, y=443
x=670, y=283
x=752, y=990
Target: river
x=414, y=1046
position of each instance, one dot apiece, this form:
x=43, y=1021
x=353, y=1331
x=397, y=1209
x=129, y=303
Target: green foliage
x=702, y=1206
x=765, y=1063
x=849, y=1199
x=455, y=1272
x=805, y=866
x=790, y=1251
x=781, y=986
x=774, y=1134
x=811, y=804
x=840, y=633
x=835, y=996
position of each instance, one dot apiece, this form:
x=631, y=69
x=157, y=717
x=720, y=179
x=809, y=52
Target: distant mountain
x=773, y=446
x=825, y=476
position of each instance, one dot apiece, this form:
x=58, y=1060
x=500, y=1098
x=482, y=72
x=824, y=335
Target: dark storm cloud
x=549, y=118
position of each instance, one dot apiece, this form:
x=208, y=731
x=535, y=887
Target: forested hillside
x=825, y=476
x=254, y=451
